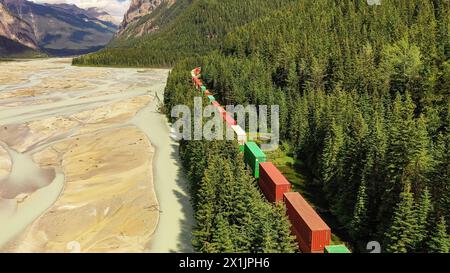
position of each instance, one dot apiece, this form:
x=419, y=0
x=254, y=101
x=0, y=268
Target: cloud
x=116, y=8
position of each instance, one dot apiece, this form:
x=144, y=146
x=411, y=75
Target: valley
x=81, y=150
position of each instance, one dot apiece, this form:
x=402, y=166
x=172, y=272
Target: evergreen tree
x=400, y=237
x=222, y=241
x=207, y=208
x=439, y=239
x=423, y=209
x=359, y=221
x=332, y=80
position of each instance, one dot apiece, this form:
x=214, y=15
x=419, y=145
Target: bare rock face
x=102, y=15
x=139, y=9
x=16, y=29
x=54, y=29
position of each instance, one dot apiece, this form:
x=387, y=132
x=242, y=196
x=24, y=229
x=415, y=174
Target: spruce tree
x=222, y=239
x=401, y=235
x=285, y=241
x=439, y=239
x=423, y=208
x=359, y=220
x=207, y=208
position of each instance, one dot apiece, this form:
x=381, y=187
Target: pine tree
x=439, y=239
x=268, y=238
x=333, y=144
x=285, y=241
x=423, y=209
x=399, y=152
x=222, y=241
x=207, y=208
x=359, y=221
x=400, y=237
x=402, y=64
x=440, y=176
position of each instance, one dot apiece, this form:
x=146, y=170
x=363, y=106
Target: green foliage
x=439, y=239
x=231, y=214
x=400, y=238
x=364, y=102
x=363, y=94
x=187, y=28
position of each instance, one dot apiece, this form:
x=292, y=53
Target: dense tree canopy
x=364, y=101
x=364, y=98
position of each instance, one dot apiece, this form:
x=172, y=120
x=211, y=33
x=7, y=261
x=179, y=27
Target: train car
x=337, y=249
x=198, y=83
x=229, y=120
x=272, y=182
x=253, y=156
x=211, y=99
x=241, y=136
x=221, y=110
x=312, y=233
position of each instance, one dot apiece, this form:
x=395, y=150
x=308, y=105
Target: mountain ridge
x=54, y=29
x=140, y=17
x=183, y=29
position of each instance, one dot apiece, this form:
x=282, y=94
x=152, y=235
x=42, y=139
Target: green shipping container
x=203, y=88
x=337, y=249
x=253, y=156
x=241, y=148
x=211, y=99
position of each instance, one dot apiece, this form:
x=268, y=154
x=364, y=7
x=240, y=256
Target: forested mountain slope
x=186, y=28
x=364, y=102
x=364, y=98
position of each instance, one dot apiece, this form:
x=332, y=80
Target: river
x=56, y=120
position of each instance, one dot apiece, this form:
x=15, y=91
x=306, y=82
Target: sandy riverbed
x=86, y=162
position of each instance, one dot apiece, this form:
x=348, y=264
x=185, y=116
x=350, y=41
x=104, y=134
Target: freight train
x=311, y=233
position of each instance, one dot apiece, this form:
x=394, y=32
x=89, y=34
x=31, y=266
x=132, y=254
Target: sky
x=116, y=8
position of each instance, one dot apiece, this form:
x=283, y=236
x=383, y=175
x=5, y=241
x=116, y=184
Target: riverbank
x=94, y=129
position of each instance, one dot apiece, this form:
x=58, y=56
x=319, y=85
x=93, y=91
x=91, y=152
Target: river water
x=54, y=88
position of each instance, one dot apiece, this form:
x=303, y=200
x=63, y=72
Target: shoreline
x=174, y=229
x=112, y=113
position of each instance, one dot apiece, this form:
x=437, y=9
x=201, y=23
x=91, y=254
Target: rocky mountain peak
x=139, y=9
x=55, y=29
x=16, y=29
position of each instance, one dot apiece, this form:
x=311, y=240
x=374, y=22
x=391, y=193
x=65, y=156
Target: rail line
x=312, y=234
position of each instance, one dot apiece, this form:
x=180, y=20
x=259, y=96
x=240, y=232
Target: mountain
x=141, y=17
x=54, y=29
x=16, y=35
x=89, y=12
x=177, y=29
x=102, y=15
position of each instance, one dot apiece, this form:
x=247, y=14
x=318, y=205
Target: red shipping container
x=198, y=83
x=230, y=121
x=216, y=104
x=221, y=110
x=197, y=70
x=312, y=233
x=272, y=182
x=207, y=93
